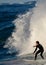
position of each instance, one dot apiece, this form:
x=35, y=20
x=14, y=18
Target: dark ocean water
x=8, y=13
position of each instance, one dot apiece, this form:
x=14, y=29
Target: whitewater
x=29, y=27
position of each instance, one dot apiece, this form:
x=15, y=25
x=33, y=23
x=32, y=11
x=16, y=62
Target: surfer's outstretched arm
x=34, y=46
x=35, y=50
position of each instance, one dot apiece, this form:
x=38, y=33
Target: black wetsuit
x=41, y=50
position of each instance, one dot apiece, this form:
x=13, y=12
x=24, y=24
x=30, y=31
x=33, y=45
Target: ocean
x=15, y=32
x=8, y=13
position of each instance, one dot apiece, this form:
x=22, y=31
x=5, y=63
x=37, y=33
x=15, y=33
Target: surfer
x=41, y=50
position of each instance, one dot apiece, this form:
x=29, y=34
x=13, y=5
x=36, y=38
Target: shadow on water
x=8, y=13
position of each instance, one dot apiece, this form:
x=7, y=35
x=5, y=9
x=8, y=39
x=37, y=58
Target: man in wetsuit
x=41, y=50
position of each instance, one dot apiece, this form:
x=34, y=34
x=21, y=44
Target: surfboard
x=35, y=61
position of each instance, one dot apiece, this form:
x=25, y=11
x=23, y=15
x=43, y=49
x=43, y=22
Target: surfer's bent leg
x=37, y=54
x=42, y=54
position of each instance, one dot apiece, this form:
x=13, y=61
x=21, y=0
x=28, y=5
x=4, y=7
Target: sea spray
x=20, y=37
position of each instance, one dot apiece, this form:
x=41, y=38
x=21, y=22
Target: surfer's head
x=37, y=42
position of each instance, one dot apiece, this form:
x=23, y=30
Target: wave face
x=28, y=30
x=11, y=36
x=26, y=24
